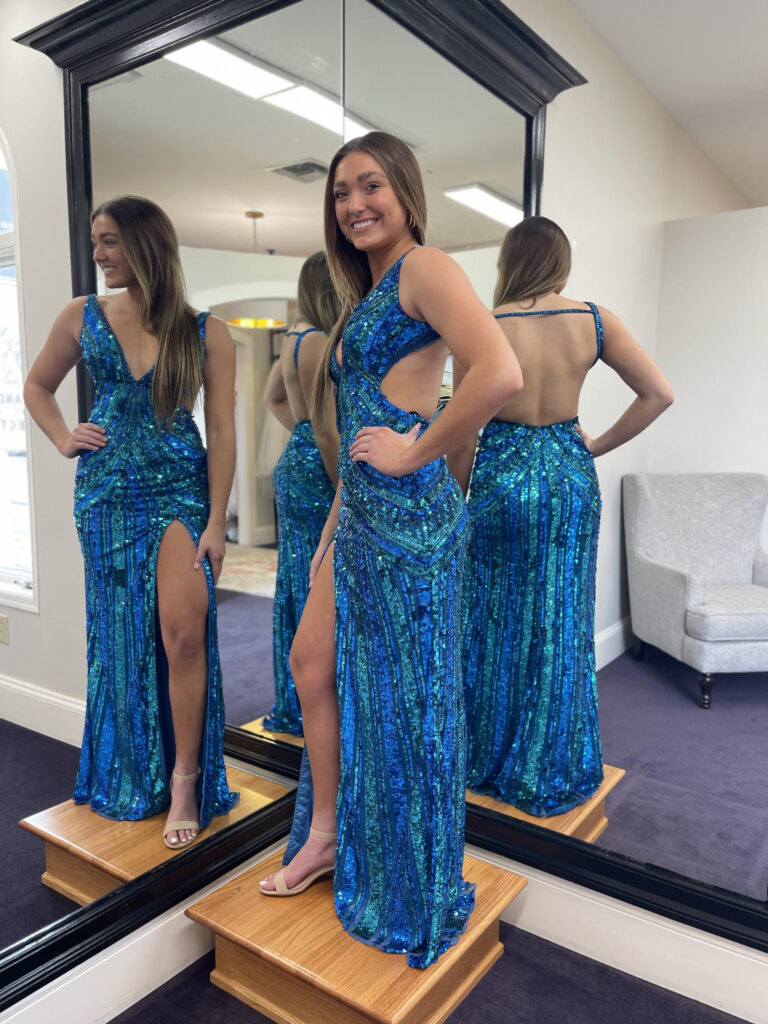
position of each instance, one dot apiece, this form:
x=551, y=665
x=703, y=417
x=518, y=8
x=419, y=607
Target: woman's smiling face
x=108, y=253
x=367, y=210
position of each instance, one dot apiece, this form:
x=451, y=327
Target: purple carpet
x=694, y=799
x=245, y=650
x=534, y=982
x=37, y=772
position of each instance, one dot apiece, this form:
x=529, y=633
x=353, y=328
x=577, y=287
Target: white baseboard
x=611, y=642
x=712, y=970
x=35, y=707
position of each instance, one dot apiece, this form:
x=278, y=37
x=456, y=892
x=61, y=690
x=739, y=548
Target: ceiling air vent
x=302, y=170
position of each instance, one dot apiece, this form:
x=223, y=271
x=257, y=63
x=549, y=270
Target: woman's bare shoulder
x=216, y=330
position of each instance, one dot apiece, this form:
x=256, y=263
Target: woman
x=534, y=507
x=150, y=510
x=386, y=576
x=304, y=479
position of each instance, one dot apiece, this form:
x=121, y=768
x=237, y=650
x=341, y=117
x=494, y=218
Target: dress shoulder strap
x=202, y=326
x=598, y=328
x=300, y=338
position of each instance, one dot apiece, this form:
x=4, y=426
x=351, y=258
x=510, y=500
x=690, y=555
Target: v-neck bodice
x=137, y=449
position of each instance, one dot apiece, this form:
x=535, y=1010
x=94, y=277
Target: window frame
x=14, y=595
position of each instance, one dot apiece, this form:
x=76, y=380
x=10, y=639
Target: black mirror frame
x=103, y=38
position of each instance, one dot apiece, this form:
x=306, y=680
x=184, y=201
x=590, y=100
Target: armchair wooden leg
x=638, y=648
x=706, y=682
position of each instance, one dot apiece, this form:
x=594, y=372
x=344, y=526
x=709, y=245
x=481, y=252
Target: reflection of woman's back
x=302, y=485
x=534, y=508
x=535, y=511
x=555, y=347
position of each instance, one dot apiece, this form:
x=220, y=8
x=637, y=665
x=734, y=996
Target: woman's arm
x=311, y=354
x=636, y=368
x=276, y=397
x=461, y=460
x=57, y=357
x=219, y=375
x=435, y=289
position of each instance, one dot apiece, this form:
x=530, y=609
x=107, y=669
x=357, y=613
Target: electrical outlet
x=3, y=629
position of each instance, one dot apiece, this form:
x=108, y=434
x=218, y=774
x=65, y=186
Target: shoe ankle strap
x=322, y=835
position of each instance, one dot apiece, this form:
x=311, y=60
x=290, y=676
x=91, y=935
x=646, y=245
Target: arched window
x=15, y=521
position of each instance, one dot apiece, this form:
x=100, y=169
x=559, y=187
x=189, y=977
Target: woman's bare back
x=298, y=374
x=555, y=347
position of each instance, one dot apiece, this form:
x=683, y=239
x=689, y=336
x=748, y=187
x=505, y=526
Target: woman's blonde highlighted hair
x=350, y=271
x=151, y=249
x=535, y=259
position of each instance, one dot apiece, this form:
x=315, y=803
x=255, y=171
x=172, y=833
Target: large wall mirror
x=466, y=84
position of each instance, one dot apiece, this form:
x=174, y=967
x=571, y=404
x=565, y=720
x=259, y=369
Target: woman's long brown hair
x=151, y=249
x=535, y=259
x=317, y=302
x=350, y=271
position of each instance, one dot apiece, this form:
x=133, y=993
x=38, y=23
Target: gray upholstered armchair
x=698, y=577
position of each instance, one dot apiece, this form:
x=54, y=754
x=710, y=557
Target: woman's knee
x=183, y=639
x=312, y=674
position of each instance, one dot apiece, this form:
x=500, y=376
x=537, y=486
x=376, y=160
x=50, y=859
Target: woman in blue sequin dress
x=304, y=480
x=383, y=617
x=150, y=509
x=534, y=509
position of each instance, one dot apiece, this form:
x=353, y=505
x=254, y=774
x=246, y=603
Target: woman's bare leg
x=182, y=600
x=313, y=667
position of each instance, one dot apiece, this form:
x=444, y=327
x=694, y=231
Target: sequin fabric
x=530, y=686
x=126, y=495
x=398, y=559
x=303, y=495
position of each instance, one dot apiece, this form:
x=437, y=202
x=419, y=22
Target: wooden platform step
x=585, y=822
x=87, y=856
x=291, y=960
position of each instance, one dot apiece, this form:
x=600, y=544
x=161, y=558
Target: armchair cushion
x=735, y=612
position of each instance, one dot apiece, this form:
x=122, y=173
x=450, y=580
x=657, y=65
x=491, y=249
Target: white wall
x=713, y=340
x=616, y=167
x=47, y=649
x=215, y=276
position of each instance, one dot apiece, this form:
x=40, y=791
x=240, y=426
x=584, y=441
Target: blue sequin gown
x=398, y=560
x=530, y=686
x=126, y=495
x=303, y=495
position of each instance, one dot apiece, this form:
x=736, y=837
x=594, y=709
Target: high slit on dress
x=530, y=687
x=398, y=558
x=126, y=496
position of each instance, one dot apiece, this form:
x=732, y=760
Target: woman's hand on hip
x=385, y=449
x=588, y=441
x=86, y=437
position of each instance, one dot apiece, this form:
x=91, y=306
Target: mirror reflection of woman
x=150, y=507
x=534, y=507
x=305, y=477
x=383, y=614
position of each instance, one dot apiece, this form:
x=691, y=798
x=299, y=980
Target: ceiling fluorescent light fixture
x=225, y=66
x=482, y=200
x=320, y=109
